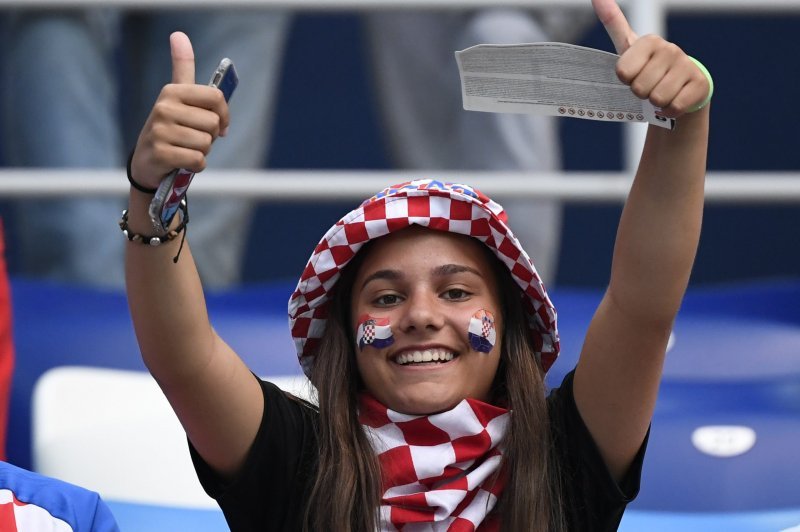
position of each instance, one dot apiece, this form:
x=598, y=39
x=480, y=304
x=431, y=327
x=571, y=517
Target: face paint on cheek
x=481, y=331
x=375, y=332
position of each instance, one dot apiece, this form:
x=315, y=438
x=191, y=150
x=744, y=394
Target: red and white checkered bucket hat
x=438, y=205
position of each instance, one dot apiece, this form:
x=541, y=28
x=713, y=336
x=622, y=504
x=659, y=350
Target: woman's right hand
x=184, y=122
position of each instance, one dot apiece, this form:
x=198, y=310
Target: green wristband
x=705, y=72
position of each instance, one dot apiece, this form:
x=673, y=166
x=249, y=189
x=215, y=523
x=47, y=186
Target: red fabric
x=441, y=469
x=8, y=521
x=6, y=347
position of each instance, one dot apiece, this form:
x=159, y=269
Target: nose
x=422, y=312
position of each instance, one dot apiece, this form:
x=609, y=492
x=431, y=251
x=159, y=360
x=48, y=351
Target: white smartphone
x=172, y=188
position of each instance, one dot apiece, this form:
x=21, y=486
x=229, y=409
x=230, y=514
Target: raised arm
x=617, y=378
x=211, y=390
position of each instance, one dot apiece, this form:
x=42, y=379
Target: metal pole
x=645, y=17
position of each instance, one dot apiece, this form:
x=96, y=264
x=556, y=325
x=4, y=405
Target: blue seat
x=765, y=521
x=132, y=517
x=734, y=362
x=60, y=325
x=679, y=476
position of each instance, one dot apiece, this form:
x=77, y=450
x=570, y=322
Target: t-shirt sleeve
x=593, y=499
x=273, y=482
x=46, y=503
x=103, y=518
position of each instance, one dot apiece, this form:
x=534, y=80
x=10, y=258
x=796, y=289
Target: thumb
x=182, y=58
x=615, y=23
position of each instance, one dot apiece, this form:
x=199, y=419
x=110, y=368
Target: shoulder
x=287, y=403
x=275, y=480
x=571, y=438
x=285, y=438
x=593, y=499
x=560, y=400
x=289, y=426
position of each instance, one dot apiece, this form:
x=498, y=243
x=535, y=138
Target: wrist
x=155, y=240
x=710, y=80
x=136, y=185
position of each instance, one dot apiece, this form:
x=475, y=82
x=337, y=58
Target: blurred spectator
x=61, y=105
x=62, y=110
x=419, y=90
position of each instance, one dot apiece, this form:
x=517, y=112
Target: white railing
x=296, y=185
x=646, y=16
x=351, y=5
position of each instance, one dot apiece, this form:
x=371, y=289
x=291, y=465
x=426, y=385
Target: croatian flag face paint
x=481, y=332
x=375, y=332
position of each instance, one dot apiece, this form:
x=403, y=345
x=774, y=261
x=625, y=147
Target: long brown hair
x=346, y=492
x=531, y=499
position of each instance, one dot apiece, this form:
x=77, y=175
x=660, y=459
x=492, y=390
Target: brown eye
x=387, y=300
x=456, y=294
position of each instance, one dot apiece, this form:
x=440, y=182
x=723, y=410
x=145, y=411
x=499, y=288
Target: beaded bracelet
x=157, y=240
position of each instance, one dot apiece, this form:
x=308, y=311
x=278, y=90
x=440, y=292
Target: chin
x=420, y=404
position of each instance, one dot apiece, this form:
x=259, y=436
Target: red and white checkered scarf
x=439, y=472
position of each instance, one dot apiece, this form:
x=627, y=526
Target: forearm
x=166, y=301
x=660, y=225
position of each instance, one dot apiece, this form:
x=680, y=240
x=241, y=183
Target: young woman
x=426, y=332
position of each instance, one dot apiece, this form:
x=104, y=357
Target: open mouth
x=426, y=357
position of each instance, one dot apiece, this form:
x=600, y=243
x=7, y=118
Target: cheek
x=375, y=333
x=371, y=371
x=482, y=331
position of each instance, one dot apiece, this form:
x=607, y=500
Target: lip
x=393, y=357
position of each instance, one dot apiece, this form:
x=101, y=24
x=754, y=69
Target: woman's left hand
x=655, y=69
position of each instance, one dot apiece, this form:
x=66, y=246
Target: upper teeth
x=429, y=355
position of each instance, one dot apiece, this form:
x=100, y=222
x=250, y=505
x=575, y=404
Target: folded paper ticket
x=550, y=78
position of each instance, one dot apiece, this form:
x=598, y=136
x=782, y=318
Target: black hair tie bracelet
x=133, y=183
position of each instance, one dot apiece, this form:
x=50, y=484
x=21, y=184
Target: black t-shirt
x=271, y=491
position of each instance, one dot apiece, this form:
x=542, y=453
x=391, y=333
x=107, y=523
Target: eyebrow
x=389, y=275
x=439, y=271
x=450, y=269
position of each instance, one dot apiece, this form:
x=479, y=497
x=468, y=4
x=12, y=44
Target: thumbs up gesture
x=655, y=69
x=184, y=122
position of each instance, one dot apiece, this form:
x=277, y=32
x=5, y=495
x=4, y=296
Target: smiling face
x=429, y=284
